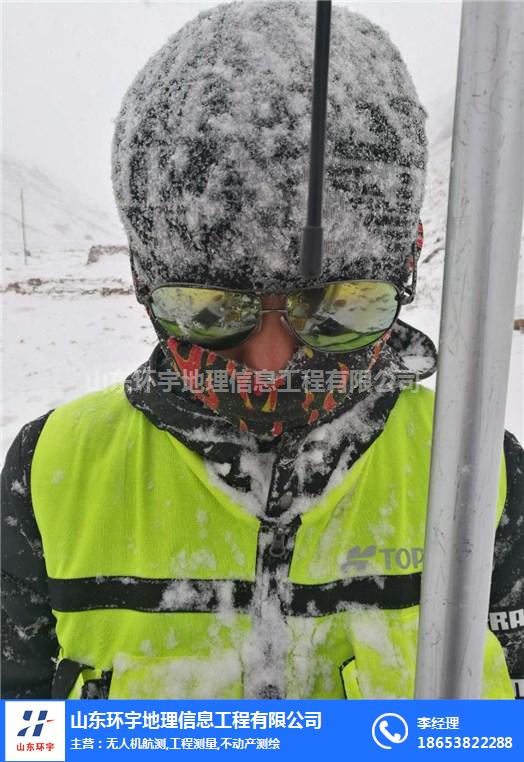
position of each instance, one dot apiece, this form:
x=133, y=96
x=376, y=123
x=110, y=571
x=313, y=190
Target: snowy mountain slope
x=57, y=216
x=440, y=119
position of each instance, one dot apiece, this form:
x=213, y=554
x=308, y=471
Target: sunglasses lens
x=343, y=316
x=205, y=316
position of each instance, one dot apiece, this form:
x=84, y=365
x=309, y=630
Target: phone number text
x=465, y=742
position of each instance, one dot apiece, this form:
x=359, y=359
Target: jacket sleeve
x=506, y=617
x=29, y=644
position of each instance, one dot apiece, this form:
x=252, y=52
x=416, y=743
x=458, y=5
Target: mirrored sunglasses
x=335, y=317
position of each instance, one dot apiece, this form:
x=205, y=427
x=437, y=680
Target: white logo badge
x=389, y=729
x=35, y=730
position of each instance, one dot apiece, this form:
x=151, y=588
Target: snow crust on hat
x=211, y=151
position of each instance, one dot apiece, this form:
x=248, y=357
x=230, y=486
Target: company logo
x=389, y=729
x=37, y=725
x=357, y=557
x=518, y=686
x=35, y=730
x=506, y=620
x=390, y=558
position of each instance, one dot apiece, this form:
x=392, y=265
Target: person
x=244, y=516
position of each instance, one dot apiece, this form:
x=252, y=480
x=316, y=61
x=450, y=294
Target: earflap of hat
x=142, y=290
x=412, y=264
x=416, y=350
x=416, y=249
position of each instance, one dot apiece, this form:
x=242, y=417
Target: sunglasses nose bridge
x=284, y=319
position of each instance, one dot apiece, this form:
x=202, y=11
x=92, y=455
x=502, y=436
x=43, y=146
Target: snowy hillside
x=57, y=216
x=433, y=215
x=72, y=327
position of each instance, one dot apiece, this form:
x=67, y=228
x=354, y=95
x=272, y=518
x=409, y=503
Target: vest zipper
x=266, y=680
x=278, y=544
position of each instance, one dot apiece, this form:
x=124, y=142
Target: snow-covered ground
x=71, y=328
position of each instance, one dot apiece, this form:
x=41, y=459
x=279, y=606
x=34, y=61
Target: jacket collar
x=306, y=457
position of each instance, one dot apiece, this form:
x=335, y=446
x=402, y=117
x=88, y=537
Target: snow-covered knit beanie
x=211, y=150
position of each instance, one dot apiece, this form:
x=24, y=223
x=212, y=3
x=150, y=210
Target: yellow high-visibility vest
x=159, y=577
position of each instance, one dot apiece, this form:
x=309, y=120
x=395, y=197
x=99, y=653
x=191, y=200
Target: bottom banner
x=87, y=730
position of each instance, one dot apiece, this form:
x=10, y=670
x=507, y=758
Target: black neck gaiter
x=313, y=386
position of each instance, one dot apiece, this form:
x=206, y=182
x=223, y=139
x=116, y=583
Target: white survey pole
x=484, y=224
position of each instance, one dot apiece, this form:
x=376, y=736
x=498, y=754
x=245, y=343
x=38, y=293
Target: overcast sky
x=66, y=66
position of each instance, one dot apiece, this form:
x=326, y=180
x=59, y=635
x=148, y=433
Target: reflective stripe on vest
x=152, y=567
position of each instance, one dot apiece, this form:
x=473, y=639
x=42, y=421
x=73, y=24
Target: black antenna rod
x=312, y=238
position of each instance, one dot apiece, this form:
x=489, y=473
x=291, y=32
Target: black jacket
x=29, y=644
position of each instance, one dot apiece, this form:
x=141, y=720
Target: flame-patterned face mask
x=312, y=387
